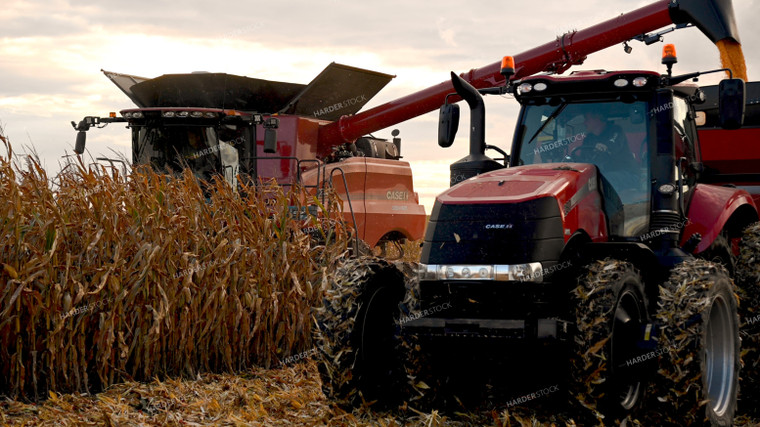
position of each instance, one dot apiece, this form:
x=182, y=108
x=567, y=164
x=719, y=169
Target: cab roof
x=595, y=83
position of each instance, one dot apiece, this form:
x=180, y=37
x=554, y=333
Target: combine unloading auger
x=715, y=18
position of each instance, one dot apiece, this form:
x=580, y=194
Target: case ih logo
x=397, y=195
x=499, y=226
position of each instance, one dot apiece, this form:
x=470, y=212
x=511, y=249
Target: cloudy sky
x=51, y=54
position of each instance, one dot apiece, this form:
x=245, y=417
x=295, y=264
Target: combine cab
x=260, y=130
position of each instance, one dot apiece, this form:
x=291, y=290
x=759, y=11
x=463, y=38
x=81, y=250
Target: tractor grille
x=496, y=300
x=504, y=233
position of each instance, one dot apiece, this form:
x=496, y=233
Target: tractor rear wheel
x=700, y=360
x=748, y=281
x=357, y=333
x=610, y=311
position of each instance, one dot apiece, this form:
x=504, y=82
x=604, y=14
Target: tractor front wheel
x=610, y=311
x=357, y=333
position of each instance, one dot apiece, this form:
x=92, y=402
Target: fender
x=709, y=210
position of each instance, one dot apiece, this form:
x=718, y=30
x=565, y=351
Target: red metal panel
x=710, y=207
x=731, y=151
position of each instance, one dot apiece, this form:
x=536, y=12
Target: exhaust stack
x=476, y=162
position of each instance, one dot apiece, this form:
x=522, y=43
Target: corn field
x=109, y=278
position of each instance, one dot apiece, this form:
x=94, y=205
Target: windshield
x=205, y=151
x=611, y=135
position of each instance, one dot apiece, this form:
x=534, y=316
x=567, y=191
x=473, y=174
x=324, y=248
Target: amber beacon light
x=507, y=67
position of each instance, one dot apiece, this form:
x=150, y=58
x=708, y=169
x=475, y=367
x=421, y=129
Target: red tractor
x=260, y=130
x=602, y=237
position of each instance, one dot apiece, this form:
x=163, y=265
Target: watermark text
x=425, y=313
x=550, y=146
x=532, y=396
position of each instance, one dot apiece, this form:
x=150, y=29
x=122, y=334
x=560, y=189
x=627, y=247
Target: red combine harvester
x=221, y=124
x=589, y=241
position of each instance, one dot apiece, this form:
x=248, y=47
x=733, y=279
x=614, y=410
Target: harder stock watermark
x=205, y=152
x=196, y=268
x=84, y=309
x=532, y=396
x=749, y=321
x=551, y=146
x=664, y=230
x=300, y=356
x=547, y=271
x=424, y=313
x=660, y=109
x=340, y=105
x=240, y=31
x=648, y=356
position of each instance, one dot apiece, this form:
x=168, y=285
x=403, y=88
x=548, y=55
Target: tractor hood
x=563, y=181
x=511, y=216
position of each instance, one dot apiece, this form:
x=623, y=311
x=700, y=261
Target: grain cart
x=260, y=130
x=575, y=246
x=736, y=164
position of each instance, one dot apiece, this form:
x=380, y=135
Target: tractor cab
x=601, y=130
x=636, y=127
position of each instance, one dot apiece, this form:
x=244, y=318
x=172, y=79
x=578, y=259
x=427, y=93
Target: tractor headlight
x=640, y=81
x=531, y=272
x=525, y=88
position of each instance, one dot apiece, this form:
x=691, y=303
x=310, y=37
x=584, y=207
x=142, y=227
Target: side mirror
x=448, y=124
x=731, y=102
x=270, y=140
x=81, y=138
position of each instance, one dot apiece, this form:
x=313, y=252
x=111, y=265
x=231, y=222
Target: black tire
x=357, y=334
x=748, y=281
x=610, y=310
x=423, y=385
x=700, y=346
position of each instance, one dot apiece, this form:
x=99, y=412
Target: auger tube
x=715, y=18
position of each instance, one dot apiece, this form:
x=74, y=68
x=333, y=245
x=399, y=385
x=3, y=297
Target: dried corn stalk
x=106, y=278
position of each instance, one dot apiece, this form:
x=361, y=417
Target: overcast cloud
x=51, y=54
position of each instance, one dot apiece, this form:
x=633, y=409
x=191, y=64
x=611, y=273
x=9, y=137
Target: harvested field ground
x=287, y=396
x=260, y=397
